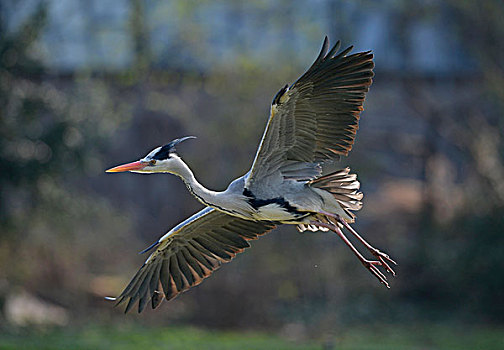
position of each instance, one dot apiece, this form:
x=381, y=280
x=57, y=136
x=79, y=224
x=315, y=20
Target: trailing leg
x=383, y=257
x=371, y=265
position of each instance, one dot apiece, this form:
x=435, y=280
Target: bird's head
x=162, y=159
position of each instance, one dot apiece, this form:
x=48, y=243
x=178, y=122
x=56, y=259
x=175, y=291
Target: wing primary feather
x=233, y=238
x=164, y=275
x=202, y=255
x=344, y=52
x=172, y=290
x=119, y=300
x=320, y=57
x=135, y=282
x=156, y=299
x=140, y=280
x=323, y=51
x=130, y=285
x=144, y=289
x=154, y=281
x=210, y=258
x=335, y=48
x=175, y=273
x=142, y=303
x=131, y=302
x=184, y=267
x=226, y=243
x=214, y=248
x=193, y=262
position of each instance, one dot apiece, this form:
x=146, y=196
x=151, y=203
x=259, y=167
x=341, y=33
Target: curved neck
x=204, y=195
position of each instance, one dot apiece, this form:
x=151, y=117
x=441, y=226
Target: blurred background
x=86, y=85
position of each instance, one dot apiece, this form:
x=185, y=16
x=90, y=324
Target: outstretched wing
x=316, y=119
x=188, y=253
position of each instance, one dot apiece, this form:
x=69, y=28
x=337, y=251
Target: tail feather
x=345, y=189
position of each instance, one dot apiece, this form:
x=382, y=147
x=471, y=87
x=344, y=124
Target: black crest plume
x=165, y=151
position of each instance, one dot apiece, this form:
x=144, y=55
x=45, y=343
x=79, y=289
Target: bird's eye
x=152, y=162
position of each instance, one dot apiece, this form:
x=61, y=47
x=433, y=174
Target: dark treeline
x=429, y=155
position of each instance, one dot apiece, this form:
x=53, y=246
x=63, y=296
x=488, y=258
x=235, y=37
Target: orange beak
x=127, y=167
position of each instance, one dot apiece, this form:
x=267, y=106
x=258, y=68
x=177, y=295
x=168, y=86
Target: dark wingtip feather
x=142, y=303
x=323, y=51
x=335, y=49
x=156, y=299
x=276, y=99
x=131, y=302
x=119, y=301
x=344, y=52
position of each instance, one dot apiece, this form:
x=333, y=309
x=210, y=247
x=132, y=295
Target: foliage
x=52, y=133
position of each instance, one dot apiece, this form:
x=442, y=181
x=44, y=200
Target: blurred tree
x=52, y=130
x=453, y=265
x=19, y=103
x=209, y=69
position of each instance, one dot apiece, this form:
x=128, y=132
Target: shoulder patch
x=278, y=97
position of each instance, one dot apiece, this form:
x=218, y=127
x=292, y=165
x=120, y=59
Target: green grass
x=417, y=337
x=175, y=338
x=145, y=338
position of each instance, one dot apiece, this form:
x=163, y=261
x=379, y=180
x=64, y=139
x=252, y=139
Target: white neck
x=231, y=201
x=203, y=194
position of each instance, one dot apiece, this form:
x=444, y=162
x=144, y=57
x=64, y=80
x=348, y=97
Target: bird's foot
x=384, y=260
x=372, y=266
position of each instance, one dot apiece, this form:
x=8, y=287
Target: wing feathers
x=214, y=248
x=157, y=298
x=131, y=302
x=320, y=57
x=193, y=263
x=204, y=258
x=164, y=276
x=186, y=270
x=189, y=254
x=320, y=117
x=154, y=282
x=175, y=273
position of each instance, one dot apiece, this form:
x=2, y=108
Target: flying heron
x=312, y=122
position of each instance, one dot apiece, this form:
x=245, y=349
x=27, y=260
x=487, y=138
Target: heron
x=312, y=123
